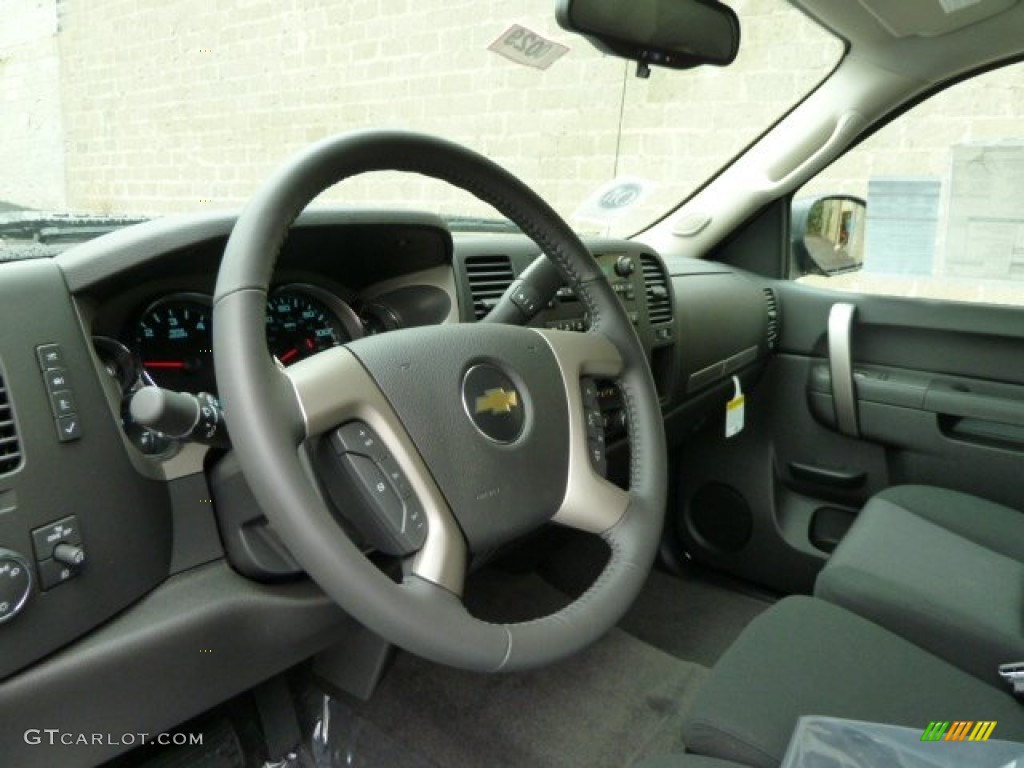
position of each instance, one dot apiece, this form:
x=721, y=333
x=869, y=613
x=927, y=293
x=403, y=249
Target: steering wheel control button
x=525, y=297
x=598, y=455
x=370, y=490
x=588, y=388
x=493, y=403
x=394, y=473
x=379, y=491
x=15, y=584
x=50, y=356
x=69, y=428
x=45, y=540
x=356, y=437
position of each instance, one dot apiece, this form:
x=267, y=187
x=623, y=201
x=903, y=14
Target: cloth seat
x=686, y=761
x=943, y=569
x=804, y=656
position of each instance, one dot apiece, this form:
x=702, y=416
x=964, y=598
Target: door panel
x=939, y=391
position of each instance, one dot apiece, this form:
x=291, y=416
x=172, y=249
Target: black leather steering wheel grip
x=480, y=484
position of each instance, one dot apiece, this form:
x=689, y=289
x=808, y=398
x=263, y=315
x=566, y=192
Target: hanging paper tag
x=734, y=411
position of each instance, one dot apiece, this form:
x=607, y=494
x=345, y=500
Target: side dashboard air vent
x=488, y=278
x=10, y=445
x=772, y=307
x=659, y=300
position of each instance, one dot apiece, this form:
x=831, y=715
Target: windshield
x=140, y=109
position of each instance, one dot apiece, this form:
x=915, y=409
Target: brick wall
x=144, y=107
x=182, y=104
x=31, y=128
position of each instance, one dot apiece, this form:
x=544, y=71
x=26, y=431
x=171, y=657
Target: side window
x=931, y=206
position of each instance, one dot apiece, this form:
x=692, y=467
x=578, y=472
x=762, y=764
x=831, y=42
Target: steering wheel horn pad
x=496, y=490
x=477, y=490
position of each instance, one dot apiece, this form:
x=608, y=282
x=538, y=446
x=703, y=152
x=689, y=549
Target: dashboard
x=123, y=550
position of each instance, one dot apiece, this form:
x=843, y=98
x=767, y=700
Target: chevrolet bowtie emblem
x=497, y=401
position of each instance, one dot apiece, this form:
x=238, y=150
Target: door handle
x=840, y=363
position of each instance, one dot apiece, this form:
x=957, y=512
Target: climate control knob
x=15, y=584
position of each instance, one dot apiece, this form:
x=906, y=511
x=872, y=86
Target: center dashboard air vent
x=659, y=299
x=772, y=308
x=10, y=445
x=488, y=278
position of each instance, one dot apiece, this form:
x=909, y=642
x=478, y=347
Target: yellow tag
x=734, y=411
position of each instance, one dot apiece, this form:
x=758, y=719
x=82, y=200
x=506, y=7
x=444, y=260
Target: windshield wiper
x=50, y=228
x=481, y=224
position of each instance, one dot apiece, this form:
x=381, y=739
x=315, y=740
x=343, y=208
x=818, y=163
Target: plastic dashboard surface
x=139, y=527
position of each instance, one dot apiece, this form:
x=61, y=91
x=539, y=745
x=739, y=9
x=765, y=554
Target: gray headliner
x=927, y=58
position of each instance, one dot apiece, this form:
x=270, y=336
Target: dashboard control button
x=56, y=379
x=63, y=531
x=356, y=437
x=69, y=428
x=625, y=266
x=15, y=584
x=53, y=573
x=71, y=555
x=50, y=356
x=63, y=402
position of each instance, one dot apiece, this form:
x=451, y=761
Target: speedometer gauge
x=300, y=323
x=174, y=343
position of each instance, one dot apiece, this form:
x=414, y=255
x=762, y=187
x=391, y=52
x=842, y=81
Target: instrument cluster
x=170, y=342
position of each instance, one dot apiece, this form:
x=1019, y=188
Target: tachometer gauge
x=174, y=343
x=302, y=321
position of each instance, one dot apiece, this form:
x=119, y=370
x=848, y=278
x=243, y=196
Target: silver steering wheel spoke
x=591, y=502
x=332, y=388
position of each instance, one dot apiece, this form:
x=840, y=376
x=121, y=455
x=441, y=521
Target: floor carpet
x=693, y=619
x=616, y=702
x=619, y=701
x=611, y=705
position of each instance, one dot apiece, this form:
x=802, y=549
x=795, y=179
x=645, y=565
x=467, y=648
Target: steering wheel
x=482, y=476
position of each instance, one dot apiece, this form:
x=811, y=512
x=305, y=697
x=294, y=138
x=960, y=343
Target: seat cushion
x=991, y=525
x=804, y=656
x=939, y=569
x=686, y=761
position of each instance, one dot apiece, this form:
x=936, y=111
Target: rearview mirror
x=827, y=235
x=669, y=33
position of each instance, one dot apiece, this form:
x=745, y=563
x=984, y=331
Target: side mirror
x=678, y=34
x=827, y=235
